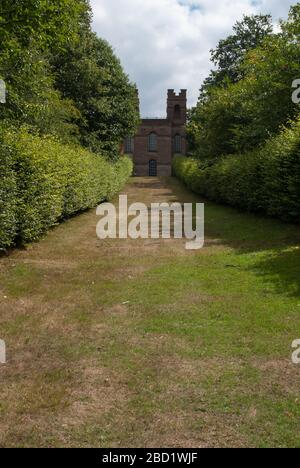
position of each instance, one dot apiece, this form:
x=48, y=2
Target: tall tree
x=92, y=77
x=31, y=31
x=50, y=24
x=238, y=115
x=61, y=79
x=230, y=53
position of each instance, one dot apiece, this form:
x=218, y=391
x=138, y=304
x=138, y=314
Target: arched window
x=129, y=145
x=177, y=111
x=177, y=144
x=152, y=142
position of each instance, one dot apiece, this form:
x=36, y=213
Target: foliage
x=241, y=115
x=92, y=77
x=43, y=181
x=66, y=90
x=231, y=52
x=49, y=24
x=61, y=79
x=31, y=96
x=8, y=195
x=266, y=180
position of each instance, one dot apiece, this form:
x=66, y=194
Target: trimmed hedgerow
x=47, y=181
x=8, y=196
x=266, y=180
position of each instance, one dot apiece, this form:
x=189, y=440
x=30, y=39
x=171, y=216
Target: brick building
x=158, y=140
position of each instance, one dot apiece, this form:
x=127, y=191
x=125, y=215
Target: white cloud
x=165, y=43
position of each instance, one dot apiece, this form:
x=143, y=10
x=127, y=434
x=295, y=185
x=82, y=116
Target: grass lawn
x=124, y=343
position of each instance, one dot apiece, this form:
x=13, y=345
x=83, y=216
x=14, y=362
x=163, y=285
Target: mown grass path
x=142, y=343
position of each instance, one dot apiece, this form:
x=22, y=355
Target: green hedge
x=266, y=180
x=8, y=195
x=43, y=181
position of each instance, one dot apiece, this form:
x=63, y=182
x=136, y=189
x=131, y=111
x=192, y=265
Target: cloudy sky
x=165, y=43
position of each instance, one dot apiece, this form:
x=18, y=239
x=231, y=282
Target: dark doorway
x=152, y=168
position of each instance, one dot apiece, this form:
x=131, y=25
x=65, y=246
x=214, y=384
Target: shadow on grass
x=283, y=269
x=247, y=233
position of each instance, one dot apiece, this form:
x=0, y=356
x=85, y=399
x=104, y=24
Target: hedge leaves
x=43, y=181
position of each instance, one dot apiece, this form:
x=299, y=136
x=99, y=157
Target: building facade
x=158, y=140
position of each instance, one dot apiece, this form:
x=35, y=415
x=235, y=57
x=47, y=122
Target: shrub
x=8, y=194
x=265, y=180
x=47, y=181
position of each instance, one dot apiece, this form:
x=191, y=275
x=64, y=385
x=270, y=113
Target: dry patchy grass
x=142, y=343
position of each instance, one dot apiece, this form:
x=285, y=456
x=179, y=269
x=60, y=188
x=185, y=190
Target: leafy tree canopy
x=51, y=24
x=92, y=77
x=230, y=52
x=61, y=79
x=243, y=112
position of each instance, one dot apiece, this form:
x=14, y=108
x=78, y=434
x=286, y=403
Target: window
x=129, y=145
x=177, y=112
x=177, y=145
x=152, y=142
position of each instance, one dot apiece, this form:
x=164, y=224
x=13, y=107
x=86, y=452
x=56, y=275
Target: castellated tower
x=177, y=107
x=158, y=140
